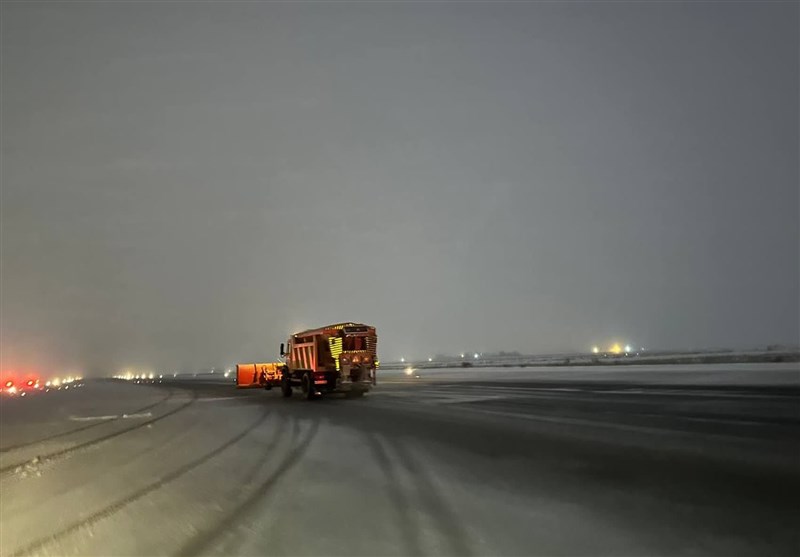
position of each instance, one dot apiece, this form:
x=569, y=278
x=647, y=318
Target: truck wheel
x=286, y=387
x=308, y=386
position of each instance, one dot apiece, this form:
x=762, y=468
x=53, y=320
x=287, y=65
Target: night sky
x=184, y=184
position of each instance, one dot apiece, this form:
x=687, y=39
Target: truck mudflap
x=355, y=378
x=336, y=382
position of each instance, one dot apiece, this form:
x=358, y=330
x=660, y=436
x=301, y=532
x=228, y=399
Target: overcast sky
x=183, y=184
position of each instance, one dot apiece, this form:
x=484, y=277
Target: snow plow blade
x=259, y=375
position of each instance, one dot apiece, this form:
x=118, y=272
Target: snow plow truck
x=340, y=358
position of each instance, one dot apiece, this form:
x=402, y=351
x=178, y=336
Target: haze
x=183, y=184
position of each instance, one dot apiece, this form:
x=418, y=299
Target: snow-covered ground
x=535, y=461
x=686, y=374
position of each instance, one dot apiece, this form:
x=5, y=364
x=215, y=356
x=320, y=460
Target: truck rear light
x=356, y=359
x=345, y=360
x=9, y=384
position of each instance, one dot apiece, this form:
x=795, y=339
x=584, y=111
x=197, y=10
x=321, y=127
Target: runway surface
x=662, y=460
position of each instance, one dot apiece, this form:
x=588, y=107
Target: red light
x=9, y=383
x=30, y=382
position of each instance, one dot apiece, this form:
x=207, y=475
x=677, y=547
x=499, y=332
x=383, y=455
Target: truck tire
x=286, y=387
x=308, y=386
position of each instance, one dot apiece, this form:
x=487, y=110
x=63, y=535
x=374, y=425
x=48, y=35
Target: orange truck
x=339, y=358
